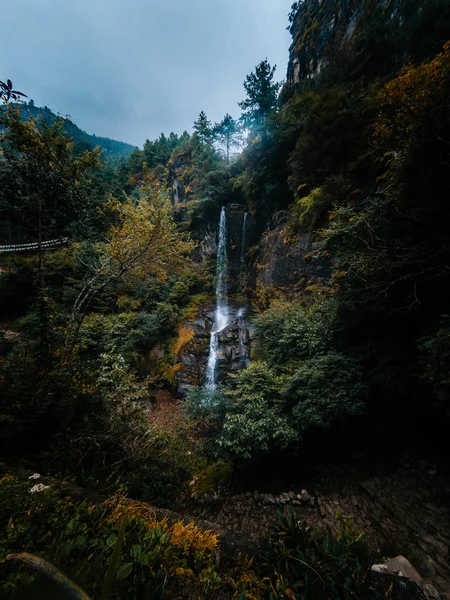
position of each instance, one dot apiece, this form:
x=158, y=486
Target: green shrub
x=305, y=566
x=215, y=476
x=257, y=421
x=326, y=389
x=310, y=210
x=290, y=332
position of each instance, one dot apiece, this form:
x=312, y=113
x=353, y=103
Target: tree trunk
x=41, y=566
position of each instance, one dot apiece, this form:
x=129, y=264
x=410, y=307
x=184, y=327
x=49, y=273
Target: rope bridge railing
x=46, y=245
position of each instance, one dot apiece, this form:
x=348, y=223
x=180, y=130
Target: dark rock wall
x=206, y=236
x=235, y=343
x=179, y=167
x=328, y=31
x=285, y=267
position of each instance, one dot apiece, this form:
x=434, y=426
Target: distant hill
x=113, y=150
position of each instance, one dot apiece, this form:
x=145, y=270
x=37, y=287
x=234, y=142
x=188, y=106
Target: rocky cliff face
x=278, y=268
x=206, y=236
x=283, y=268
x=328, y=32
x=235, y=343
x=179, y=168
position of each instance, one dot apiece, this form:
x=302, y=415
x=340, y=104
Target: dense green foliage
x=356, y=157
x=309, y=567
x=74, y=370
x=349, y=162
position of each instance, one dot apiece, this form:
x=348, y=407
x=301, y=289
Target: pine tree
x=202, y=128
x=227, y=133
x=262, y=94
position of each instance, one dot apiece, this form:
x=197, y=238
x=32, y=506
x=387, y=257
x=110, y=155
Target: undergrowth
x=121, y=546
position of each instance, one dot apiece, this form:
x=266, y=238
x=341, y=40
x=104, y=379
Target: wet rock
x=429, y=569
x=401, y=567
x=287, y=267
x=430, y=592
x=233, y=351
x=394, y=587
x=189, y=360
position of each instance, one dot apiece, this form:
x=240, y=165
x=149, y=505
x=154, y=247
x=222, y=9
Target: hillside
x=113, y=150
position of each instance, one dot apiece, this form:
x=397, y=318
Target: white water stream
x=222, y=314
x=244, y=231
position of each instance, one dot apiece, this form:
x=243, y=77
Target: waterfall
x=221, y=317
x=244, y=231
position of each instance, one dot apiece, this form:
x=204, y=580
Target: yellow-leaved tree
x=143, y=242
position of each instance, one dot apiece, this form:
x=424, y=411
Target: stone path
x=405, y=512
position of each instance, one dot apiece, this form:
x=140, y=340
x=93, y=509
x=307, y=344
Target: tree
x=143, y=242
x=262, y=94
x=289, y=332
x=227, y=134
x=326, y=389
x=203, y=128
x=49, y=185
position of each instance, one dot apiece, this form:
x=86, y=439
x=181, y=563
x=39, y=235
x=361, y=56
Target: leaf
x=9, y=82
x=124, y=570
x=110, y=577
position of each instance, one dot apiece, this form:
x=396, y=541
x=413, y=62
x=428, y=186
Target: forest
x=233, y=315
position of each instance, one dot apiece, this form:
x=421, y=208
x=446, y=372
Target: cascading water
x=244, y=231
x=222, y=314
x=242, y=276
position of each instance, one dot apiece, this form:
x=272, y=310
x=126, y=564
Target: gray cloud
x=131, y=69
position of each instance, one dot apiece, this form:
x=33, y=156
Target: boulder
x=402, y=568
x=393, y=587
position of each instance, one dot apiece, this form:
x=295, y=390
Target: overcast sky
x=131, y=69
